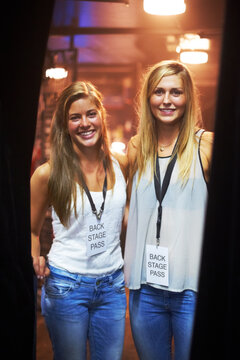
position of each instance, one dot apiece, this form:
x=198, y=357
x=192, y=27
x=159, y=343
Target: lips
x=167, y=111
x=87, y=134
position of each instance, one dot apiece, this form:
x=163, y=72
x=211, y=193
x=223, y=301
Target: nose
x=166, y=99
x=84, y=121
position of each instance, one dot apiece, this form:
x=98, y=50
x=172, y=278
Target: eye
x=159, y=91
x=92, y=114
x=176, y=92
x=74, y=117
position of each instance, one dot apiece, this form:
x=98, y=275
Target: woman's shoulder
x=133, y=148
x=206, y=141
x=134, y=141
x=206, y=146
x=208, y=136
x=204, y=135
x=42, y=173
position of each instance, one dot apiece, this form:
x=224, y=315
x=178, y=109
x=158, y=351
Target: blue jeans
x=156, y=317
x=77, y=308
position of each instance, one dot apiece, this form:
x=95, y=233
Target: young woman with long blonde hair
x=169, y=169
x=83, y=297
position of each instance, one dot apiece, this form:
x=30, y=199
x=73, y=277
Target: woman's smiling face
x=168, y=101
x=84, y=123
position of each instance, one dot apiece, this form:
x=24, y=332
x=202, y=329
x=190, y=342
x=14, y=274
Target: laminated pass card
x=157, y=265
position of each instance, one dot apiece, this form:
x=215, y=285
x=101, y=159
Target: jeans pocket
x=56, y=287
x=119, y=284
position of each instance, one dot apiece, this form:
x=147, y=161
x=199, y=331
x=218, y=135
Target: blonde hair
x=148, y=124
x=64, y=165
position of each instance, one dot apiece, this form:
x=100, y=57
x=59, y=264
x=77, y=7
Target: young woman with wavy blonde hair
x=83, y=296
x=169, y=163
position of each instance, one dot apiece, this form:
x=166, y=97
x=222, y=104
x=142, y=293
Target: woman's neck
x=89, y=158
x=167, y=134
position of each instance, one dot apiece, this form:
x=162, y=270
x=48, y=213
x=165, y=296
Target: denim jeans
x=77, y=308
x=156, y=317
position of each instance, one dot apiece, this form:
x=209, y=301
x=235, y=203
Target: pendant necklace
x=163, y=147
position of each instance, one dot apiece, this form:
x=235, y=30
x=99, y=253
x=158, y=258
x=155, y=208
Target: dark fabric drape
x=24, y=33
x=216, y=333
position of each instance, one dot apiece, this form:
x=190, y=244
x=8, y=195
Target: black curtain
x=24, y=34
x=216, y=333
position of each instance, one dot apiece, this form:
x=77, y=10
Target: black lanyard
x=161, y=190
x=104, y=191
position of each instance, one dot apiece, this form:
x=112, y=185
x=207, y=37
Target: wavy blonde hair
x=148, y=145
x=65, y=170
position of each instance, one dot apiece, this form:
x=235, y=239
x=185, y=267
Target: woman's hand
x=40, y=267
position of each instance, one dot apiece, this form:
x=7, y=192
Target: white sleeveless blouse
x=183, y=216
x=69, y=248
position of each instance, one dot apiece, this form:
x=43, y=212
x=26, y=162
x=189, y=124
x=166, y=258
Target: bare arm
x=123, y=162
x=39, y=206
x=132, y=157
x=206, y=146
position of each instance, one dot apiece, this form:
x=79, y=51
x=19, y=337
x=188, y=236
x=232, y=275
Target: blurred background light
x=193, y=42
x=191, y=48
x=56, y=73
x=164, y=7
x=118, y=147
x=194, y=57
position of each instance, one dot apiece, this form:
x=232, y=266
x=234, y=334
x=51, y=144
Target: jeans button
x=97, y=282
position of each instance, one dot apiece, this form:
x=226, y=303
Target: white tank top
x=183, y=215
x=69, y=248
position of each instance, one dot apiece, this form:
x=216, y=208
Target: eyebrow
x=77, y=113
x=174, y=88
x=71, y=114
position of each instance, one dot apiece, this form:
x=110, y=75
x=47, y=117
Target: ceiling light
x=56, y=73
x=194, y=57
x=192, y=49
x=194, y=41
x=164, y=7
